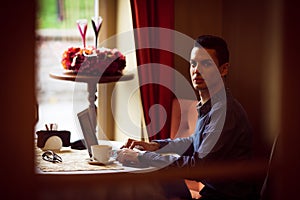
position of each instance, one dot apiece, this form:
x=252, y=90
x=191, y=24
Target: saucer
x=95, y=162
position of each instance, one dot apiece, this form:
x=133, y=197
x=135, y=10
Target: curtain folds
x=156, y=98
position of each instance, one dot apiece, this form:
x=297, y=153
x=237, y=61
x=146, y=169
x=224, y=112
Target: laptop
x=87, y=130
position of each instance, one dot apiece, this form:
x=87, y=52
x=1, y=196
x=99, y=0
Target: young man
x=223, y=132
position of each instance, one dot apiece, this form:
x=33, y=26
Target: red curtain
x=154, y=13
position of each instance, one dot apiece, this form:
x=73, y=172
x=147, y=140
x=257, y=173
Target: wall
x=117, y=33
x=252, y=29
x=107, y=9
x=132, y=105
x=194, y=18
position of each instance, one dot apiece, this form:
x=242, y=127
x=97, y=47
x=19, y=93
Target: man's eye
x=207, y=63
x=193, y=63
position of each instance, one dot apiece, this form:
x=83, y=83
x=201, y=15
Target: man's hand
x=141, y=145
x=127, y=156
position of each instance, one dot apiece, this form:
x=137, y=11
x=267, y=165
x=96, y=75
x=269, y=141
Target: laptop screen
x=87, y=130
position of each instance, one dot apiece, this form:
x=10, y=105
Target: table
x=123, y=183
x=76, y=162
x=92, y=82
x=127, y=182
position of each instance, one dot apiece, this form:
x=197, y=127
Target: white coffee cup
x=101, y=153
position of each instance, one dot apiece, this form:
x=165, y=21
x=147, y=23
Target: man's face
x=204, y=69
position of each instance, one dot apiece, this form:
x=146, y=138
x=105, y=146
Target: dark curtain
x=154, y=13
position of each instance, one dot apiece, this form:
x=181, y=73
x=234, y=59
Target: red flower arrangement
x=94, y=61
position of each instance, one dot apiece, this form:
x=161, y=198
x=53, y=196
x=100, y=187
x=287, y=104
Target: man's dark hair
x=216, y=43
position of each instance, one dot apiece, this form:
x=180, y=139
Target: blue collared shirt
x=222, y=133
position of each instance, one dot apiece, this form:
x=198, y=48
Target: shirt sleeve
x=176, y=146
x=222, y=139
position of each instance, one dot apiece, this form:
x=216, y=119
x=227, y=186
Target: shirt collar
x=203, y=109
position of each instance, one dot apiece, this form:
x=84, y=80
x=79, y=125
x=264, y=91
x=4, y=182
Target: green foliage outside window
x=57, y=14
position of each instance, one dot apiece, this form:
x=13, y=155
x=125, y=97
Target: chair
x=183, y=122
x=269, y=182
x=183, y=110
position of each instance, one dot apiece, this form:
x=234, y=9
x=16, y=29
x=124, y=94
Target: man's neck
x=204, y=96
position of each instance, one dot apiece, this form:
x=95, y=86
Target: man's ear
x=224, y=69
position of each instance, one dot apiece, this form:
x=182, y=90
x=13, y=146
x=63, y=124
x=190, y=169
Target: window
x=57, y=31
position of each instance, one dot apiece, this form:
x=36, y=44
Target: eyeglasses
x=50, y=156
